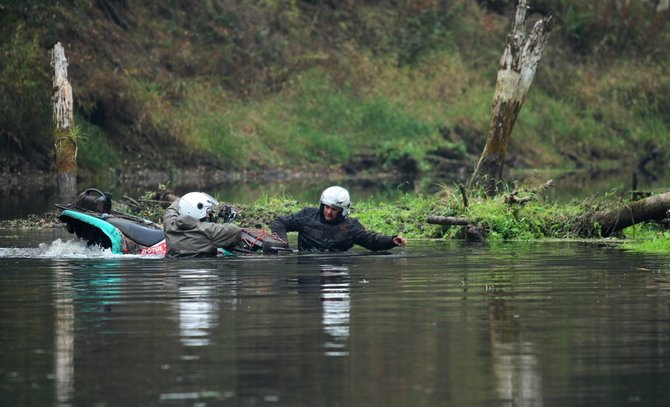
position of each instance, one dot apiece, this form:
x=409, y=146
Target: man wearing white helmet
x=190, y=231
x=328, y=228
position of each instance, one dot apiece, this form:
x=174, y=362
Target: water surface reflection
x=439, y=323
x=335, y=307
x=197, y=305
x=64, y=335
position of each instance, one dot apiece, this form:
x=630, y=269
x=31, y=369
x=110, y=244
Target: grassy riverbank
x=498, y=219
x=647, y=238
x=522, y=214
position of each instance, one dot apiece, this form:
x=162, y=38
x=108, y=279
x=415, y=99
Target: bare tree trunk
x=64, y=139
x=515, y=75
x=655, y=207
x=660, y=19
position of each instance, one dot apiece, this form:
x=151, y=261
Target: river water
x=435, y=324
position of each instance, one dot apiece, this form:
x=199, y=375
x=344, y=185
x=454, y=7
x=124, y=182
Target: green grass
x=406, y=217
x=397, y=115
x=647, y=238
x=315, y=122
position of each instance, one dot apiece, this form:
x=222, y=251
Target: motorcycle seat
x=142, y=234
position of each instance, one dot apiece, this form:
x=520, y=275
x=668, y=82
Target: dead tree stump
x=65, y=143
x=515, y=75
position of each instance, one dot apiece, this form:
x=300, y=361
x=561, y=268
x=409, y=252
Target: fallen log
x=603, y=223
x=471, y=232
x=448, y=221
x=654, y=208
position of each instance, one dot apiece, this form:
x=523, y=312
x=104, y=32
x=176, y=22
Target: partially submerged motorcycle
x=91, y=218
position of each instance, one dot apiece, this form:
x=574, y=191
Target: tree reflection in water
x=64, y=334
x=514, y=361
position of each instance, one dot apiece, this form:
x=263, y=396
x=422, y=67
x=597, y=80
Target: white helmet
x=337, y=197
x=196, y=204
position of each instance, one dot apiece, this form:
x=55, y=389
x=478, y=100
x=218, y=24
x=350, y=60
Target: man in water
x=190, y=230
x=328, y=227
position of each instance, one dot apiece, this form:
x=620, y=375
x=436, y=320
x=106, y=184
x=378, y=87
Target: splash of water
x=58, y=249
x=72, y=249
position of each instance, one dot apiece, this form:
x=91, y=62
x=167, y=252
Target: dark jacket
x=315, y=234
x=186, y=236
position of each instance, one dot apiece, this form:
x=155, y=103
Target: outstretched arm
x=284, y=224
x=375, y=241
x=221, y=234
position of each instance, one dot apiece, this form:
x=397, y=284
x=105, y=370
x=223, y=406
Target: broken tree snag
x=513, y=198
x=515, y=75
x=654, y=208
x=464, y=194
x=65, y=144
x=541, y=189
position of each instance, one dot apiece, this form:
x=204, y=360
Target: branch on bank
x=471, y=232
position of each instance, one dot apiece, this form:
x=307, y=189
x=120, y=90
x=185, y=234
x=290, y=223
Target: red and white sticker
x=158, y=248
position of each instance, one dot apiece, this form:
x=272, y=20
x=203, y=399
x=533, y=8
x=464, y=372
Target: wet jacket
x=315, y=234
x=186, y=236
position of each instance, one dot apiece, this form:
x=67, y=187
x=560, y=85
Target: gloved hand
x=224, y=213
x=273, y=246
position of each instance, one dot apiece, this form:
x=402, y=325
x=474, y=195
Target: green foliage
x=25, y=115
x=647, y=238
x=503, y=219
x=315, y=119
x=607, y=27
x=558, y=128
x=96, y=154
x=266, y=84
x=422, y=27
x=263, y=211
x=405, y=217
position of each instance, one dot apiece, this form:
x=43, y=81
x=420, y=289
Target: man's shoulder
x=351, y=219
x=172, y=210
x=301, y=216
x=307, y=211
x=353, y=222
